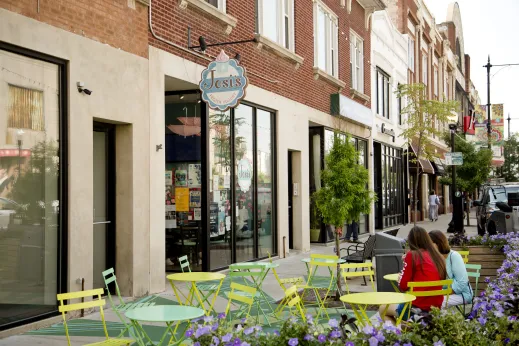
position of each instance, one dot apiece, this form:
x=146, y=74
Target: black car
x=487, y=205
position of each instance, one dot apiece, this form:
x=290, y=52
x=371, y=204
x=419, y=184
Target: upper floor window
x=219, y=4
x=276, y=21
x=425, y=71
x=382, y=93
x=326, y=39
x=357, y=62
x=399, y=107
x=435, y=81
x=410, y=59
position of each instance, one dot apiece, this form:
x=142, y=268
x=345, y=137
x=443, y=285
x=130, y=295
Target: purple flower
x=333, y=323
x=227, y=337
x=248, y=331
x=487, y=279
x=308, y=337
x=189, y=333
x=408, y=344
x=214, y=327
x=216, y=341
x=293, y=342
x=243, y=320
x=321, y=338
x=196, y=344
x=276, y=332
x=237, y=342
x=368, y=330
x=349, y=343
x=258, y=328
x=221, y=315
x=208, y=319
x=396, y=344
x=201, y=331
x=506, y=341
x=373, y=341
x=380, y=337
x=482, y=321
x=244, y=344
x=512, y=318
x=335, y=334
x=438, y=343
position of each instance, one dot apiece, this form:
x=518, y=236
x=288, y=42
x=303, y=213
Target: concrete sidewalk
x=291, y=266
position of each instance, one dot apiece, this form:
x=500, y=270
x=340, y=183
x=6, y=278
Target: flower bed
x=493, y=321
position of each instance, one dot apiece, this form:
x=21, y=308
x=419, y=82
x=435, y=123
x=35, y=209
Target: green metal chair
x=326, y=283
x=206, y=289
x=473, y=270
x=121, y=307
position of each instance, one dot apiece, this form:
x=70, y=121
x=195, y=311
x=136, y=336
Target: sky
x=490, y=28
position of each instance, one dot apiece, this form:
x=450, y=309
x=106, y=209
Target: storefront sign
x=346, y=107
x=389, y=132
x=244, y=174
x=454, y=159
x=223, y=83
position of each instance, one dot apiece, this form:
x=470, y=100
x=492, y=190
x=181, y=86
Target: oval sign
x=244, y=173
x=223, y=83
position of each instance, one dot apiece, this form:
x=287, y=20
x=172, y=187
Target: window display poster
x=226, y=181
x=182, y=198
x=216, y=196
x=195, y=198
x=170, y=197
x=180, y=177
x=169, y=178
x=197, y=214
x=216, y=182
x=195, y=174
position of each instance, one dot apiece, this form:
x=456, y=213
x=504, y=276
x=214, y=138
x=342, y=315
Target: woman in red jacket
x=422, y=263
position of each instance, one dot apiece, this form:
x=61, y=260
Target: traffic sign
x=454, y=159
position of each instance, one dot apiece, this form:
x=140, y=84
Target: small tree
x=510, y=169
x=344, y=194
x=425, y=119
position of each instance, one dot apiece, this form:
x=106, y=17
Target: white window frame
x=410, y=58
x=285, y=9
x=357, y=62
x=222, y=5
x=331, y=44
x=436, y=81
x=384, y=95
x=425, y=69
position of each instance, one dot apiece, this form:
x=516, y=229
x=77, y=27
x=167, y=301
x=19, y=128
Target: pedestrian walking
x=434, y=201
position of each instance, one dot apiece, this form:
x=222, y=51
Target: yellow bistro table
x=393, y=278
x=191, y=279
x=360, y=301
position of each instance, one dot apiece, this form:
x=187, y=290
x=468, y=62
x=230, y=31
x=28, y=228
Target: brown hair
x=441, y=241
x=419, y=240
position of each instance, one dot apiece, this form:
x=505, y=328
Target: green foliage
x=344, y=194
x=476, y=165
x=510, y=169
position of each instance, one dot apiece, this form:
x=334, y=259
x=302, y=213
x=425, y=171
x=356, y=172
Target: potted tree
x=344, y=194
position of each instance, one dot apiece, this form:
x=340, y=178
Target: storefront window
x=29, y=187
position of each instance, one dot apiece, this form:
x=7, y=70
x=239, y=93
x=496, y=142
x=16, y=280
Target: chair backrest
x=96, y=301
x=318, y=256
x=366, y=269
x=246, y=270
x=241, y=293
x=465, y=255
x=315, y=265
x=184, y=263
x=109, y=277
x=293, y=299
x=432, y=284
x=369, y=247
x=274, y=271
x=473, y=270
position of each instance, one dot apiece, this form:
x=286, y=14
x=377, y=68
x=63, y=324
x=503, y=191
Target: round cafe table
x=360, y=301
x=393, y=278
x=192, y=279
x=171, y=315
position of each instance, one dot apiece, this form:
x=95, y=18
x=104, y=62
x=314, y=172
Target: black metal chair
x=360, y=252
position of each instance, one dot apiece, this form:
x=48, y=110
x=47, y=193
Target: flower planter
x=490, y=260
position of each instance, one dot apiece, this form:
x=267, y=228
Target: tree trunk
x=415, y=188
x=338, y=253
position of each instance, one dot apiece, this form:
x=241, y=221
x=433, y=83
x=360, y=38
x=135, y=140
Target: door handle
x=102, y=222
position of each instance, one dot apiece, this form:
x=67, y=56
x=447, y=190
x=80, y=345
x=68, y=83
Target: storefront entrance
x=219, y=193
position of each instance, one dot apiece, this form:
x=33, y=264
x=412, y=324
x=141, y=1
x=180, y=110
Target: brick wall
x=277, y=74
x=119, y=23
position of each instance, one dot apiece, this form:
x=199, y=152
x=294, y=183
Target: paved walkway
x=89, y=329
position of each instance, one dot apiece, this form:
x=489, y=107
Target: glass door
x=104, y=198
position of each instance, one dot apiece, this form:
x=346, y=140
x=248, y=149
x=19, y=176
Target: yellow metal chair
x=283, y=283
x=326, y=284
x=366, y=269
x=293, y=301
x=244, y=296
x=446, y=290
x=465, y=255
x=96, y=302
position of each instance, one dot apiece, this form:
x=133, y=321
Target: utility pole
x=508, y=124
x=489, y=125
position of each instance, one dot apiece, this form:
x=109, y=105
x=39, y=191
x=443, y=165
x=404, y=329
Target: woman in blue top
x=455, y=270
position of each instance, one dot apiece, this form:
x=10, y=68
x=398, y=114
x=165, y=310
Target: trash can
x=388, y=257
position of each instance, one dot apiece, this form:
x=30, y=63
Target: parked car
x=491, y=194
x=7, y=210
x=506, y=218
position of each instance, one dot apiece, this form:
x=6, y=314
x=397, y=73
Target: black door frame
x=109, y=131
x=290, y=202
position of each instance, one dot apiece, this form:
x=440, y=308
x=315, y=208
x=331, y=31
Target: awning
x=424, y=164
x=438, y=166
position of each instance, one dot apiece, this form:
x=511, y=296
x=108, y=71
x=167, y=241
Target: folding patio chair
x=109, y=278
x=96, y=302
x=473, y=270
x=206, y=289
x=366, y=269
x=465, y=255
x=243, y=296
x=293, y=302
x=321, y=283
x=445, y=290
x=283, y=283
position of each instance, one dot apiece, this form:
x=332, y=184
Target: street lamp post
x=19, y=135
x=456, y=224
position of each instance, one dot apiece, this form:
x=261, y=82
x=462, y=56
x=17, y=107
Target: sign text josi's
x=223, y=83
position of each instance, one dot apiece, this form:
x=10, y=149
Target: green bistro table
x=393, y=278
x=171, y=315
x=258, y=281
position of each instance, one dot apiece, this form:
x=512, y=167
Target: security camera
x=81, y=88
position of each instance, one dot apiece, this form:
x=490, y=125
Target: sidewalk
x=87, y=329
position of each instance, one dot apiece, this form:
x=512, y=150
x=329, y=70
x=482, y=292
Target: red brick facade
x=278, y=74
x=112, y=22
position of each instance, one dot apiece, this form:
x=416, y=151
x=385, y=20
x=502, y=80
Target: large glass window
x=29, y=187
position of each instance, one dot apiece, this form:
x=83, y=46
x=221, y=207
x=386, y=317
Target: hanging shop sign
x=244, y=173
x=223, y=83
x=389, y=132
